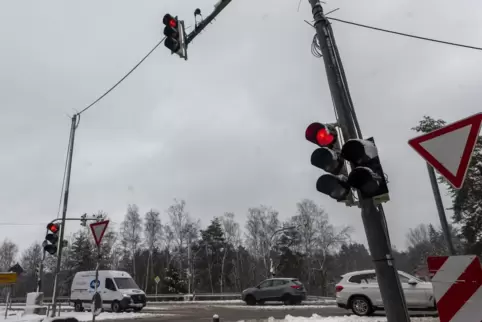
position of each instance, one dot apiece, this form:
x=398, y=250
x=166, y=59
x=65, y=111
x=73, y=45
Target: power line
x=20, y=224
x=406, y=35
x=122, y=79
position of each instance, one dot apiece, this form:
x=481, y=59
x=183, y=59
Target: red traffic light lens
x=173, y=23
x=318, y=133
x=323, y=137
x=54, y=228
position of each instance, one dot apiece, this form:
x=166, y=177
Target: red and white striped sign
x=457, y=287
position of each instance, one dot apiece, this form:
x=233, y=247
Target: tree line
x=219, y=257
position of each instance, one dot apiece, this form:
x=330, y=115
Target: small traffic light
x=175, y=35
x=83, y=220
x=367, y=176
x=52, y=238
x=327, y=157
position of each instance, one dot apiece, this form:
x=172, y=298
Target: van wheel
x=78, y=307
x=361, y=306
x=116, y=307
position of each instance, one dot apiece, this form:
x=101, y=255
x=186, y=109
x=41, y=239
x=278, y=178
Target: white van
x=118, y=290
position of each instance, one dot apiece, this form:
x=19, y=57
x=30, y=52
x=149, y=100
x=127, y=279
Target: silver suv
x=290, y=291
x=359, y=292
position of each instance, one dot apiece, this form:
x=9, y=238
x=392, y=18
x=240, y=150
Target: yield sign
x=98, y=230
x=449, y=149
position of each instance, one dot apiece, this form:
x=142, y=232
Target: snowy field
x=317, y=318
x=82, y=316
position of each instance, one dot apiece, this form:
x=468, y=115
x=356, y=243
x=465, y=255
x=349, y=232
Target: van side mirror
x=412, y=282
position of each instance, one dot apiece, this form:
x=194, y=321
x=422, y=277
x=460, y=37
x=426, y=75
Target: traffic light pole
x=373, y=219
x=440, y=209
x=64, y=212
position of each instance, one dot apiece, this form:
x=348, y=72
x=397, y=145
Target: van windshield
x=124, y=283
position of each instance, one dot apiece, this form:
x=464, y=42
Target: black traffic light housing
x=367, y=174
x=328, y=158
x=175, y=35
x=52, y=238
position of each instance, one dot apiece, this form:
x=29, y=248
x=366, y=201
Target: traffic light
x=367, y=175
x=327, y=157
x=83, y=220
x=175, y=35
x=52, y=238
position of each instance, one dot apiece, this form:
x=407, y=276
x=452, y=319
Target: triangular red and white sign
x=98, y=230
x=450, y=148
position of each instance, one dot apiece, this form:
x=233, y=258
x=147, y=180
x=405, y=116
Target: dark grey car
x=290, y=291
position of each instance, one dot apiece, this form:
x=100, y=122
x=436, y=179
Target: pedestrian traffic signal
x=175, y=35
x=52, y=238
x=327, y=157
x=367, y=175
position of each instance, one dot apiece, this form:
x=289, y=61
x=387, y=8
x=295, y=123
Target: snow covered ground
x=223, y=302
x=82, y=316
x=275, y=307
x=317, y=318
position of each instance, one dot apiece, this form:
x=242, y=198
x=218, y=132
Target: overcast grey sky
x=224, y=130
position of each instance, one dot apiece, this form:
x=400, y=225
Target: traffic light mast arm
x=203, y=24
x=79, y=219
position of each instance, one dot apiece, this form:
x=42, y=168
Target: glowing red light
x=319, y=134
x=323, y=137
x=54, y=228
x=173, y=23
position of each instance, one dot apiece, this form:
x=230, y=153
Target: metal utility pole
x=64, y=212
x=40, y=272
x=377, y=236
x=440, y=209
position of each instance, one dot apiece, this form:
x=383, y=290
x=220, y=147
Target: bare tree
x=261, y=228
x=179, y=219
x=418, y=235
x=8, y=253
x=31, y=258
x=232, y=238
x=153, y=237
x=131, y=233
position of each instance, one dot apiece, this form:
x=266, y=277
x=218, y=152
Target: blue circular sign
x=92, y=284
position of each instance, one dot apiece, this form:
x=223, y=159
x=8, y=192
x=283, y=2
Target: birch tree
x=131, y=233
x=153, y=238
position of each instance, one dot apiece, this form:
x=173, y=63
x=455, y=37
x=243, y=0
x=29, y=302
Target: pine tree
x=82, y=256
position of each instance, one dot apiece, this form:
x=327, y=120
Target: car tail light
x=338, y=288
x=298, y=287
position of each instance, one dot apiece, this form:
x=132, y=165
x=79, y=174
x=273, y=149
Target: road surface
x=239, y=313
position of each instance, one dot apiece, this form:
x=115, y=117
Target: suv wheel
x=361, y=306
x=287, y=300
x=250, y=300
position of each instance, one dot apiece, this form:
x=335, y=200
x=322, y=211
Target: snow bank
x=81, y=316
x=275, y=307
x=352, y=318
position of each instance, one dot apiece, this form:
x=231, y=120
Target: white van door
x=110, y=292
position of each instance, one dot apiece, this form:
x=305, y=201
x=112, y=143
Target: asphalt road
x=239, y=313
x=232, y=314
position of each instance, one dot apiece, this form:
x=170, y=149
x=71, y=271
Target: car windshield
x=124, y=283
